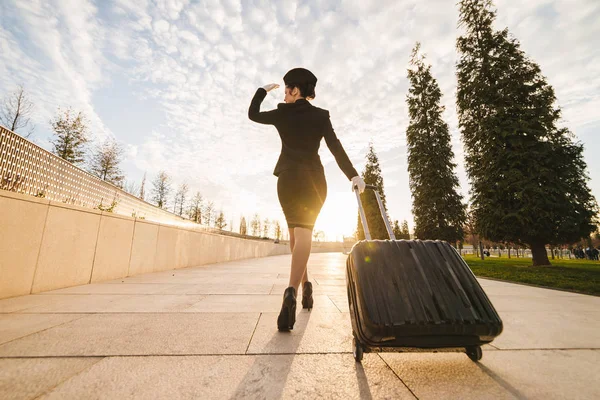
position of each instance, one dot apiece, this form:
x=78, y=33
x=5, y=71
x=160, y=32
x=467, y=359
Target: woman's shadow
x=267, y=377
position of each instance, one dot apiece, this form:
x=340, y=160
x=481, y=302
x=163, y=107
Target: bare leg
x=292, y=242
x=300, y=254
x=291, y=239
x=305, y=276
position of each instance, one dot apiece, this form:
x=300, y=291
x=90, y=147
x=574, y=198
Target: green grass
x=578, y=275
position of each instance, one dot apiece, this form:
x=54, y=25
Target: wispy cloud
x=199, y=63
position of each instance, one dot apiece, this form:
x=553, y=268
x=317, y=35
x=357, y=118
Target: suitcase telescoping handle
x=363, y=218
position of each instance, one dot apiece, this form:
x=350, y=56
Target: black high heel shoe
x=287, y=316
x=307, y=299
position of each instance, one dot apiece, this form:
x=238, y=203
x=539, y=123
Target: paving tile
x=549, y=330
x=22, y=379
x=235, y=377
x=75, y=303
x=312, y=333
x=493, y=283
x=500, y=374
x=152, y=303
x=192, y=315
x=445, y=376
x=173, y=277
x=14, y=326
x=341, y=301
x=19, y=303
x=528, y=292
x=326, y=276
x=317, y=289
x=331, y=282
x=38, y=303
x=255, y=303
x=550, y=303
x=140, y=334
x=559, y=374
x=218, y=288
x=121, y=288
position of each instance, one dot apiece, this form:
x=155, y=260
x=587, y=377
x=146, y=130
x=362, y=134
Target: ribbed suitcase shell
x=413, y=293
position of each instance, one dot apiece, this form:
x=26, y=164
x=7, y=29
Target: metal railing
x=27, y=168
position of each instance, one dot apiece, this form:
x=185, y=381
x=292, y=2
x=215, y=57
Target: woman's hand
x=270, y=87
x=358, y=181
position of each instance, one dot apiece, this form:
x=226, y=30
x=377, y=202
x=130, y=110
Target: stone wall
x=46, y=245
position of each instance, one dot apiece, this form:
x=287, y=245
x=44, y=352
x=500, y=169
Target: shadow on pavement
x=501, y=382
x=267, y=376
x=363, y=383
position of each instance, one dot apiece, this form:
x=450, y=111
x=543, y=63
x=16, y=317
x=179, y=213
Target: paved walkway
x=210, y=332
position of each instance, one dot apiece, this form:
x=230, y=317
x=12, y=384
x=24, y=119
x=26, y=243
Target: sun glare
x=338, y=216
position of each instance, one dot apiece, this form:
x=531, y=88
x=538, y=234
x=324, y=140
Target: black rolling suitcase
x=415, y=294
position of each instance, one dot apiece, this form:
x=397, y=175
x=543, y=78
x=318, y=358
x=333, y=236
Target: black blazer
x=301, y=127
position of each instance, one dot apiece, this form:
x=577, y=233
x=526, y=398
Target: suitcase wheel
x=357, y=350
x=474, y=353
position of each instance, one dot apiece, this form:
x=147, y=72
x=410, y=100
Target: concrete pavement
x=210, y=332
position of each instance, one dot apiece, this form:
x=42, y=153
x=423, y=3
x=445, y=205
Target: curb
x=538, y=286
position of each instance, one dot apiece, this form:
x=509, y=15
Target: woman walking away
x=301, y=184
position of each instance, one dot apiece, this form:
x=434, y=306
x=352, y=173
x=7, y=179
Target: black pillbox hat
x=300, y=75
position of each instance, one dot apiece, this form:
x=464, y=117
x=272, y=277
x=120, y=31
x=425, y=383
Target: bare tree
x=266, y=227
x=105, y=161
x=161, y=190
x=143, y=188
x=255, y=225
x=71, y=136
x=208, y=212
x=318, y=235
x=195, y=212
x=131, y=187
x=220, y=221
x=277, y=229
x=180, y=199
x=15, y=112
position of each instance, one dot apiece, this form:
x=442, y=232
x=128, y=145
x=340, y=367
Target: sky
x=171, y=80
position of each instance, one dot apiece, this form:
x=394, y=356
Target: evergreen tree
x=528, y=177
x=71, y=136
x=405, y=233
x=220, y=221
x=243, y=226
x=437, y=207
x=372, y=176
x=396, y=229
x=105, y=161
x=161, y=190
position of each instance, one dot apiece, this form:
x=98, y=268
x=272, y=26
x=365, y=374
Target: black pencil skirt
x=301, y=195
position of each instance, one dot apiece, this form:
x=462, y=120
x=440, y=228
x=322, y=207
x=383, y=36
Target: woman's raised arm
x=254, y=113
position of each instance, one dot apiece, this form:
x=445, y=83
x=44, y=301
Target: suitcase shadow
x=511, y=389
x=364, y=390
x=266, y=371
